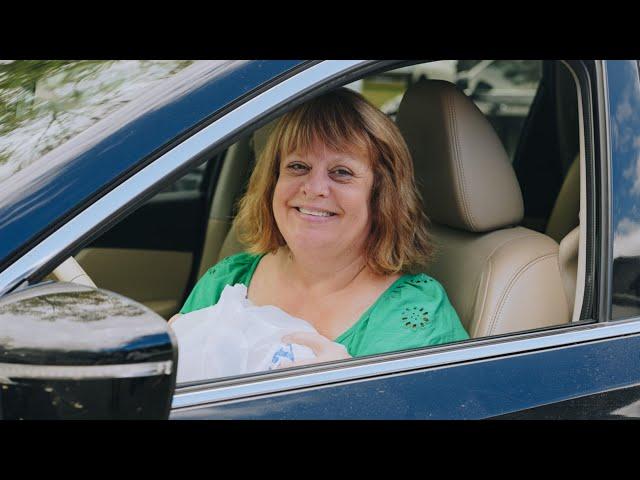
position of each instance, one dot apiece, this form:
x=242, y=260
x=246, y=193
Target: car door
x=536, y=373
x=590, y=369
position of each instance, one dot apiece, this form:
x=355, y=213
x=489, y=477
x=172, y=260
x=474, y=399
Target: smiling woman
x=363, y=162
x=336, y=234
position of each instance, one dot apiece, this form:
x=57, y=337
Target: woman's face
x=321, y=201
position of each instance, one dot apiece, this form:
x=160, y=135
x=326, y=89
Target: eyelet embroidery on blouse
x=416, y=281
x=420, y=280
x=415, y=318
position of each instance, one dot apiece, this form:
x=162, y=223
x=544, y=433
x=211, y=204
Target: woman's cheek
x=281, y=195
x=356, y=205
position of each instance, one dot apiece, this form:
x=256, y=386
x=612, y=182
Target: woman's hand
x=324, y=349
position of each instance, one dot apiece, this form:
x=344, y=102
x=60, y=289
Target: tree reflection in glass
x=43, y=103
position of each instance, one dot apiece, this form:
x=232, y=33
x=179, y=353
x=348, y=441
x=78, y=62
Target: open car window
x=165, y=271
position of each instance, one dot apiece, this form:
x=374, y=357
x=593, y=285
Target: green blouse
x=413, y=312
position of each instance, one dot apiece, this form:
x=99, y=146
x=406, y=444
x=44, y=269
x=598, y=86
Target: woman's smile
x=316, y=215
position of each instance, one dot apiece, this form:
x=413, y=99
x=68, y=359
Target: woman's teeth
x=317, y=213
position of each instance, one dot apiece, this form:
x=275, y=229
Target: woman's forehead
x=318, y=148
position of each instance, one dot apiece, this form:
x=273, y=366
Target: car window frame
x=253, y=113
x=593, y=329
x=617, y=162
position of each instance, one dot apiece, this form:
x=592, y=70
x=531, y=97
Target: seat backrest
x=568, y=260
x=565, y=213
x=232, y=179
x=231, y=244
x=500, y=277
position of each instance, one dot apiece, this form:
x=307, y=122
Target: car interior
x=505, y=221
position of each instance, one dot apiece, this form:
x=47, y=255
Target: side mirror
x=69, y=351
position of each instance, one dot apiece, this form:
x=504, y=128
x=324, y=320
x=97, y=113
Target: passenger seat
x=233, y=177
x=500, y=277
x=231, y=244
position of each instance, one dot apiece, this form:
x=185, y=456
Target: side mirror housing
x=69, y=351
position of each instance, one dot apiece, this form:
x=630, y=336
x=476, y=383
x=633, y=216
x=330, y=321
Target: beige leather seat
x=565, y=213
x=231, y=183
x=231, y=244
x=568, y=261
x=500, y=277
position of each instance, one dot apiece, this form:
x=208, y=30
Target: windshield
x=43, y=103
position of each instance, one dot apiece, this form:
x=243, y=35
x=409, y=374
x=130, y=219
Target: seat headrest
x=461, y=167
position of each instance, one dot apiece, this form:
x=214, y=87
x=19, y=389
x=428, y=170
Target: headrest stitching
x=460, y=173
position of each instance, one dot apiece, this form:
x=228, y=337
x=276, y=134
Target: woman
x=335, y=228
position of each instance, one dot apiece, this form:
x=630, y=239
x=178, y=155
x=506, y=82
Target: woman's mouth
x=314, y=212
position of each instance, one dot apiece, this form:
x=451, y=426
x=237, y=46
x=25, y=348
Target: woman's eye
x=342, y=172
x=297, y=167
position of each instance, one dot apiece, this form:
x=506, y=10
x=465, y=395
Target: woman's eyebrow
x=291, y=157
x=338, y=157
x=346, y=156
x=352, y=161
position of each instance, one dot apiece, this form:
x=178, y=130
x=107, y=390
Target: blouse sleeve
x=207, y=291
x=417, y=313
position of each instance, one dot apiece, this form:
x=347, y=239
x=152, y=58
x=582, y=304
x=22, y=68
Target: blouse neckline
x=364, y=315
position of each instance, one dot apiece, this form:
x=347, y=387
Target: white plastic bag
x=234, y=337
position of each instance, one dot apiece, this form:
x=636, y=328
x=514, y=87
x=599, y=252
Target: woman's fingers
x=314, y=341
x=324, y=349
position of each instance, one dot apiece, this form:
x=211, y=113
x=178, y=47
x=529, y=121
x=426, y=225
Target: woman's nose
x=316, y=184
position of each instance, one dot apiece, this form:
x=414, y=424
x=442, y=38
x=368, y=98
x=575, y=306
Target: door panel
x=618, y=404
x=156, y=278
x=149, y=255
x=473, y=390
x=169, y=221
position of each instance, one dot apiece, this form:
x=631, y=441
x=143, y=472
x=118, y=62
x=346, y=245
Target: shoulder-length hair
x=344, y=121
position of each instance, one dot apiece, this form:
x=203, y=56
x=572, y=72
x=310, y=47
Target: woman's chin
x=313, y=244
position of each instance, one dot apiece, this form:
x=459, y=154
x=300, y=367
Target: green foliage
x=18, y=81
x=44, y=103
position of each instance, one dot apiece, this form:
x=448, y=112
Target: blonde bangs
x=330, y=124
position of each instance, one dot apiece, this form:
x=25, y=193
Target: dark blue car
x=118, y=189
